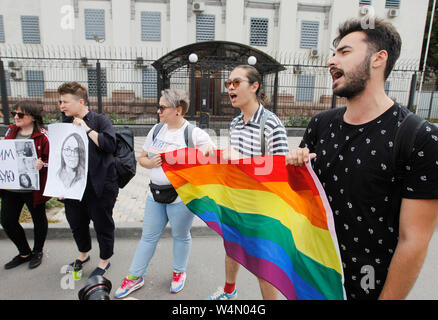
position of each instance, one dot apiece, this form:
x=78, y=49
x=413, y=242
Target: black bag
x=124, y=156
x=404, y=142
x=163, y=194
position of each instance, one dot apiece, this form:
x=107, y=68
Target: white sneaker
x=128, y=286
x=178, y=281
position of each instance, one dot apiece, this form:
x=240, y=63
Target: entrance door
x=207, y=92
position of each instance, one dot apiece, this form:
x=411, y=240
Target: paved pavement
x=204, y=274
x=206, y=265
x=48, y=282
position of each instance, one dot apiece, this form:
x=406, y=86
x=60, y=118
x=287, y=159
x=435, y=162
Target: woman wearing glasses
x=28, y=125
x=72, y=168
x=163, y=203
x=245, y=92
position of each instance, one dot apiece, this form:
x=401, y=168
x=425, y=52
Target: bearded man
x=384, y=220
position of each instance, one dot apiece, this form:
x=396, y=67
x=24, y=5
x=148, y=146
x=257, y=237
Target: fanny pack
x=163, y=194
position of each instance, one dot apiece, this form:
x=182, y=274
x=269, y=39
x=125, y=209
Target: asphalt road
x=205, y=272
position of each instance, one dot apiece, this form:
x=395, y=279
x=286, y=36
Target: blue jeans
x=155, y=220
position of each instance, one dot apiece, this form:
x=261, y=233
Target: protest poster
x=17, y=165
x=68, y=161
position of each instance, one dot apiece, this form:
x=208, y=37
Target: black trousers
x=12, y=204
x=100, y=211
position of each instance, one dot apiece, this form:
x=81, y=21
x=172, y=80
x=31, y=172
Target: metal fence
x=126, y=92
x=124, y=85
x=427, y=99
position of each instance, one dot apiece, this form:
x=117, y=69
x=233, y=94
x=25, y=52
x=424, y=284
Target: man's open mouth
x=336, y=74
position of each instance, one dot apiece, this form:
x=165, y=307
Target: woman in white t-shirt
x=162, y=203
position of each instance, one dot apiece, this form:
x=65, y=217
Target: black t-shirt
x=354, y=165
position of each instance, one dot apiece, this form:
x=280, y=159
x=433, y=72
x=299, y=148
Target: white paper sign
x=17, y=165
x=68, y=161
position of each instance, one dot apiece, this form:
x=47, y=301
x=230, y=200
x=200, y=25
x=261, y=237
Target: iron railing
x=126, y=87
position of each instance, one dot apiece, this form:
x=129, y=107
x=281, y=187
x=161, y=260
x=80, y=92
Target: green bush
x=297, y=121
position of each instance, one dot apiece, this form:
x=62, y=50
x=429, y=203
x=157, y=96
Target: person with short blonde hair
x=163, y=204
x=177, y=98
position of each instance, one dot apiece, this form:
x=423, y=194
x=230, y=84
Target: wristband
x=88, y=131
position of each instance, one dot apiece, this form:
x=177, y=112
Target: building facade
x=297, y=33
x=276, y=26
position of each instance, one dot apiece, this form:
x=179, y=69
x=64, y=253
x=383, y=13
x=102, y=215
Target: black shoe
x=99, y=271
x=36, y=260
x=17, y=261
x=77, y=264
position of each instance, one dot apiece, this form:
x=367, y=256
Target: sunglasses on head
x=19, y=114
x=235, y=83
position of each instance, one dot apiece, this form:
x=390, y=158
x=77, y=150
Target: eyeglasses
x=71, y=152
x=19, y=114
x=235, y=82
x=162, y=108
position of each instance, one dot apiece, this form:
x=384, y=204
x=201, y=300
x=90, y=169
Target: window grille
x=92, y=82
x=94, y=24
x=387, y=86
x=149, y=83
x=306, y=88
x=392, y=4
x=2, y=30
x=259, y=32
x=150, y=26
x=35, y=83
x=205, y=27
x=30, y=29
x=309, y=34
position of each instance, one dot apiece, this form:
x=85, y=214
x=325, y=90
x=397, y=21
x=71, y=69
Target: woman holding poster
x=28, y=125
x=101, y=188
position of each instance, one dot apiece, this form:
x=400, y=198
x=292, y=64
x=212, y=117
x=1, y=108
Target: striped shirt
x=245, y=138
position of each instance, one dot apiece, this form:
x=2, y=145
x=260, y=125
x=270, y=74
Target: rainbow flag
x=274, y=219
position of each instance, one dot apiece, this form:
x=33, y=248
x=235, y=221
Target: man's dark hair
x=383, y=36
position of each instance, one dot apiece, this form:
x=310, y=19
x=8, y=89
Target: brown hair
x=33, y=109
x=254, y=76
x=74, y=88
x=382, y=36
